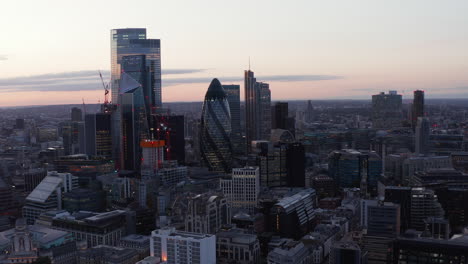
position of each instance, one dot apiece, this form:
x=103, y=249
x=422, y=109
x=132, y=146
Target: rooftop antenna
x=249, y=63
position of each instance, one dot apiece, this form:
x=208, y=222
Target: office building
x=207, y=213
x=139, y=243
x=183, y=247
x=73, y=136
x=94, y=228
x=352, y=168
x=293, y=216
x=242, y=189
x=171, y=173
x=295, y=164
x=48, y=195
x=237, y=246
x=233, y=96
x=76, y=114
x=257, y=108
x=152, y=157
x=215, y=135
x=418, y=107
x=412, y=248
x=279, y=115
x=171, y=129
x=345, y=252
x=32, y=178
x=290, y=252
x=272, y=161
x=81, y=199
x=134, y=41
x=107, y=255
x=424, y=204
x=98, y=135
x=439, y=228
x=386, y=110
x=422, y=130
x=383, y=220
x=134, y=123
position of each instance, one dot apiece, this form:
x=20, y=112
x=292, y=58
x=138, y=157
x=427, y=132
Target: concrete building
x=236, y=246
x=242, y=189
x=183, y=247
x=207, y=213
x=94, y=228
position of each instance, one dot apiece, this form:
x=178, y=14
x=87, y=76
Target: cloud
x=3, y=57
x=90, y=80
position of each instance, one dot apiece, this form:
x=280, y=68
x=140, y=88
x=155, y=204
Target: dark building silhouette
x=171, y=129
x=422, y=130
x=19, y=123
x=295, y=164
x=76, y=114
x=279, y=115
x=233, y=96
x=98, y=135
x=418, y=107
x=257, y=109
x=215, y=135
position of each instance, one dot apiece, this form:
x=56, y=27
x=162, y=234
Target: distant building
x=242, y=189
x=291, y=252
x=352, y=168
x=295, y=164
x=418, y=107
x=98, y=135
x=183, y=247
x=236, y=246
x=257, y=108
x=233, y=97
x=386, y=110
x=412, y=248
x=207, y=213
x=107, y=254
x=171, y=173
x=76, y=114
x=171, y=129
x=422, y=135
x=94, y=228
x=215, y=136
x=345, y=252
x=48, y=195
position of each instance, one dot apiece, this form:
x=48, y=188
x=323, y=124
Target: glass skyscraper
x=257, y=109
x=133, y=41
x=215, y=135
x=233, y=97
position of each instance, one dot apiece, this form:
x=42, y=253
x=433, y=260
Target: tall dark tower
x=279, y=115
x=233, y=97
x=215, y=134
x=76, y=114
x=257, y=109
x=418, y=107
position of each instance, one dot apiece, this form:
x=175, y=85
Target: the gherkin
x=215, y=135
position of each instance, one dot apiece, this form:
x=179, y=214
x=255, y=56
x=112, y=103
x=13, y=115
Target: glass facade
x=233, y=97
x=215, y=135
x=133, y=41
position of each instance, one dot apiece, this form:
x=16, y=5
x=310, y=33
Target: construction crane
x=106, y=90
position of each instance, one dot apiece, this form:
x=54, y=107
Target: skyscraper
x=98, y=135
x=257, y=108
x=134, y=122
x=233, y=97
x=133, y=41
x=386, y=110
x=422, y=135
x=242, y=189
x=279, y=115
x=418, y=107
x=215, y=135
x=76, y=114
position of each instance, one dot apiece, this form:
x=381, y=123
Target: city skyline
x=324, y=51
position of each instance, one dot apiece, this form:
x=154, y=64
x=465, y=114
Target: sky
x=51, y=51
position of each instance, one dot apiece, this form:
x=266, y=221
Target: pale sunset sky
x=51, y=51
